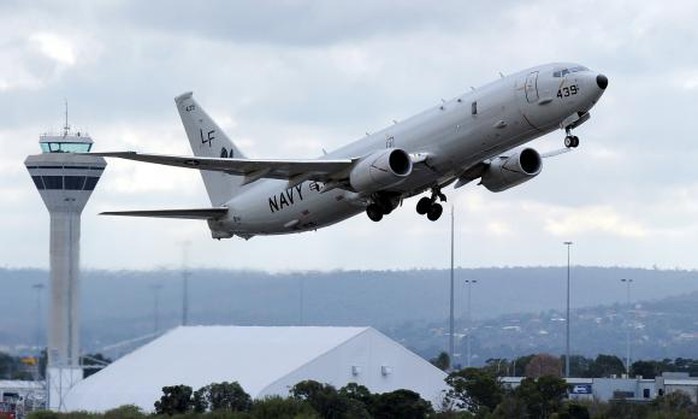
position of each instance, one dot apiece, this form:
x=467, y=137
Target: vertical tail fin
x=208, y=140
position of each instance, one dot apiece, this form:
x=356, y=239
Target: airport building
x=263, y=360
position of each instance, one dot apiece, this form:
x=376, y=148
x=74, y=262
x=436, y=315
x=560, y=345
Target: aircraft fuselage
x=451, y=137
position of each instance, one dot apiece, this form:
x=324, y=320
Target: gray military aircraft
x=475, y=135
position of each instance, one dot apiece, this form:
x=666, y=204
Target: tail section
x=208, y=140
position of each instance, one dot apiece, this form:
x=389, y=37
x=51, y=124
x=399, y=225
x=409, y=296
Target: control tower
x=65, y=180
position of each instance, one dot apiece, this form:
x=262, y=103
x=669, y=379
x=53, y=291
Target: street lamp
x=469, y=283
x=627, y=281
x=567, y=317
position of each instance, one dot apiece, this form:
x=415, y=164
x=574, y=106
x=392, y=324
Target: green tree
x=606, y=365
x=676, y=402
x=442, y=361
x=497, y=366
x=228, y=396
x=175, y=399
x=519, y=365
x=404, y=404
x=475, y=390
x=579, y=365
x=357, y=392
x=646, y=369
x=199, y=400
x=510, y=407
x=324, y=398
x=542, y=365
x=542, y=396
x=275, y=407
x=128, y=411
x=574, y=410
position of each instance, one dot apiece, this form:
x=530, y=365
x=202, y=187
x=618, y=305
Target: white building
x=264, y=360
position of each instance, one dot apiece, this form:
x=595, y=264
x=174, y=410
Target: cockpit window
x=565, y=71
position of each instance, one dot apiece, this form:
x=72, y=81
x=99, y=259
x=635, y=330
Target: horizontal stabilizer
x=192, y=214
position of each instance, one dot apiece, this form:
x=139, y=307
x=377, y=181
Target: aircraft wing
x=192, y=214
x=319, y=170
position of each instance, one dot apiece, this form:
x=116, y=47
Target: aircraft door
x=531, y=87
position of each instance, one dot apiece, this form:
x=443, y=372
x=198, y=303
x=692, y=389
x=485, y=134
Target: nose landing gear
x=571, y=141
x=430, y=207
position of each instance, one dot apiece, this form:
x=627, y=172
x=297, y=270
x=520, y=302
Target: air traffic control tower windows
x=70, y=183
x=65, y=147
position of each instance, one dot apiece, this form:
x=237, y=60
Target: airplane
x=477, y=135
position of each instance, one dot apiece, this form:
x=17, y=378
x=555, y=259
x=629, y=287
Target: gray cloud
x=287, y=78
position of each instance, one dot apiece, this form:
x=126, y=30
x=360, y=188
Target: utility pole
x=627, y=325
x=567, y=317
x=451, y=319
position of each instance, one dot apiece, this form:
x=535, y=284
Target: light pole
x=627, y=324
x=567, y=317
x=450, y=318
x=469, y=283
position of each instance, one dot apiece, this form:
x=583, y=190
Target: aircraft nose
x=602, y=81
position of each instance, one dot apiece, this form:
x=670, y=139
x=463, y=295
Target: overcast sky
x=286, y=79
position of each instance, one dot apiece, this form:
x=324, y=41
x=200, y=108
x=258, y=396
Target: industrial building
x=264, y=360
x=636, y=389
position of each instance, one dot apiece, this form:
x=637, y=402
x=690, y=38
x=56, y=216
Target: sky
x=287, y=79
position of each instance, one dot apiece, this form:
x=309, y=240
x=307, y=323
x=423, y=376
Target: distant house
x=264, y=360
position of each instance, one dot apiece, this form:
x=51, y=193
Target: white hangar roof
x=264, y=360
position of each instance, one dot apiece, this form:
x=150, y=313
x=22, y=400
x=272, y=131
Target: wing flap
x=192, y=214
x=319, y=170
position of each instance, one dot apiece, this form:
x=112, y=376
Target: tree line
x=308, y=400
x=472, y=393
x=602, y=366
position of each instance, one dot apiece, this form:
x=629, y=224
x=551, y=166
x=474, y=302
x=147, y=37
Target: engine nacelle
x=380, y=170
x=505, y=172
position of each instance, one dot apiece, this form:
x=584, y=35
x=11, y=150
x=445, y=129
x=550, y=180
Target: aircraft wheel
x=569, y=141
x=423, y=206
x=435, y=212
x=374, y=212
x=575, y=141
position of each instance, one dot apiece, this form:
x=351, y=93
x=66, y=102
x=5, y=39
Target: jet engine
x=380, y=170
x=508, y=171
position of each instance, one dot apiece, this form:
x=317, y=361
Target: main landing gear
x=383, y=204
x=571, y=141
x=430, y=207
